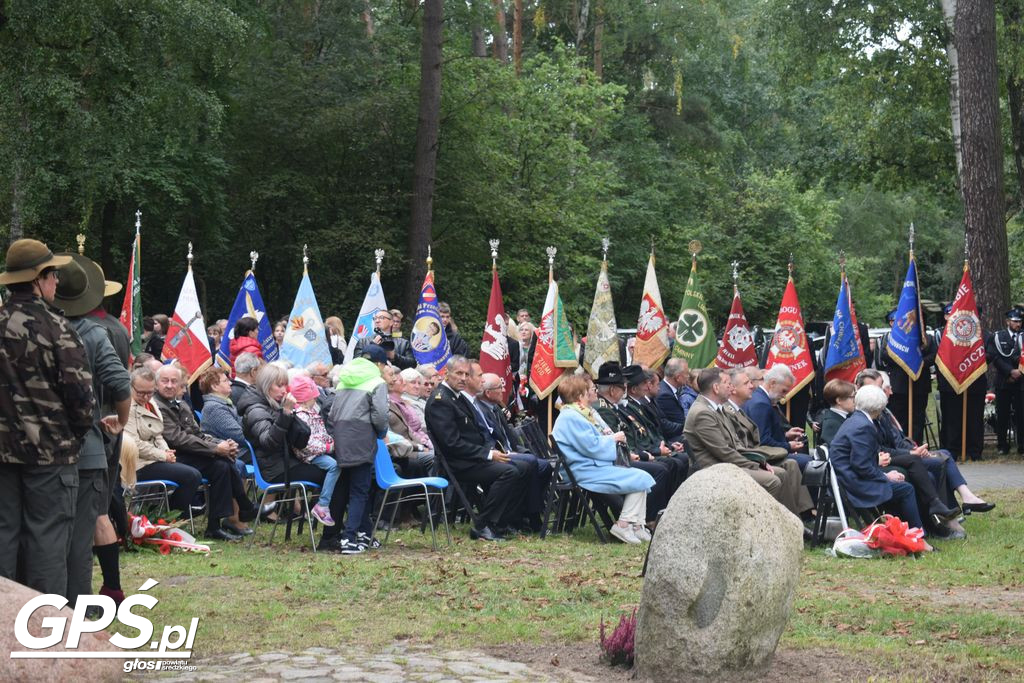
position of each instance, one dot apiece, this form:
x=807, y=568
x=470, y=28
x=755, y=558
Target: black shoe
x=977, y=507
x=808, y=535
x=507, y=531
x=248, y=514
x=941, y=513
x=329, y=545
x=484, y=534
x=237, y=531
x=221, y=535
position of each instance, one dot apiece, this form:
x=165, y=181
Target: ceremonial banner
x=695, y=340
x=305, y=339
x=428, y=340
x=652, y=325
x=904, y=345
x=186, y=339
x=789, y=344
x=737, y=349
x=372, y=302
x=553, y=351
x=131, y=309
x=494, y=345
x=961, y=357
x=248, y=303
x=602, y=338
x=844, y=357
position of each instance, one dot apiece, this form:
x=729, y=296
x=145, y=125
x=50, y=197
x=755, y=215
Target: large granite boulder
x=720, y=581
x=15, y=597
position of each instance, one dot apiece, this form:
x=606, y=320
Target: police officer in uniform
x=951, y=408
x=1003, y=353
x=46, y=408
x=899, y=380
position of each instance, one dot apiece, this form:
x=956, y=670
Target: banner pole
x=963, y=428
x=910, y=410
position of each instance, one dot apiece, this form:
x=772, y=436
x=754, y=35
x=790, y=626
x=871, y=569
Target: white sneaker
x=624, y=534
x=641, y=532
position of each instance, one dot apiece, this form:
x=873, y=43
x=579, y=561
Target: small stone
x=306, y=674
x=272, y=657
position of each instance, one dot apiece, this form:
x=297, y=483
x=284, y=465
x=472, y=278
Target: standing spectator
x=46, y=408
x=245, y=339
x=398, y=350
x=456, y=343
x=1003, y=352
x=396, y=322
x=336, y=339
x=359, y=417
x=279, y=329
x=80, y=290
x=523, y=316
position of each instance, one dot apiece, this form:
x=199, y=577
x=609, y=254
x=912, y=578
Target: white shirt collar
x=841, y=412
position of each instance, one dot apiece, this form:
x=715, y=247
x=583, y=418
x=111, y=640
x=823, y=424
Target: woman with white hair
x=854, y=457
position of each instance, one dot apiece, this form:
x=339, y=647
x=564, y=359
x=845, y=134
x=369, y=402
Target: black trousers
x=661, y=492
x=186, y=477
x=224, y=484
x=505, y=484
x=925, y=490
x=952, y=407
x=1011, y=395
x=37, y=512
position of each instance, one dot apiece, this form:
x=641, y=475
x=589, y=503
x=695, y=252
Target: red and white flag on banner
x=494, y=345
x=789, y=344
x=737, y=349
x=652, y=325
x=961, y=357
x=186, y=338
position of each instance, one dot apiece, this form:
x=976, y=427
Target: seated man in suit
x=243, y=385
x=761, y=408
x=643, y=433
x=490, y=399
x=712, y=439
x=794, y=494
x=668, y=398
x=854, y=457
x=454, y=428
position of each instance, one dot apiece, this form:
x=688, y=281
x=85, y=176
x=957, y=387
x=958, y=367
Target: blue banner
x=904, y=345
x=428, y=340
x=305, y=340
x=844, y=351
x=248, y=303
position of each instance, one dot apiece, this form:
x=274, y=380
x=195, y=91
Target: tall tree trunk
x=599, y=41
x=1012, y=36
x=500, y=32
x=425, y=164
x=581, y=25
x=982, y=178
x=17, y=199
x=479, y=42
x=949, y=15
x=517, y=35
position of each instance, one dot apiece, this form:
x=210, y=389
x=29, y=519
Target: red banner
x=737, y=349
x=494, y=345
x=961, y=357
x=790, y=345
x=186, y=338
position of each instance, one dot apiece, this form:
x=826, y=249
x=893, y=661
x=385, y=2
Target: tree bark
x=425, y=164
x=982, y=177
x=500, y=32
x=949, y=16
x=517, y=36
x=479, y=43
x=1011, y=13
x=581, y=25
x=599, y=41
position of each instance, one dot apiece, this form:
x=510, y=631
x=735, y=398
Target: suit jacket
x=748, y=437
x=830, y=421
x=501, y=429
x=147, y=429
x=454, y=430
x=854, y=457
x=711, y=439
x=890, y=438
x=642, y=436
x=769, y=423
x=403, y=350
x=671, y=407
x=1002, y=350
x=181, y=431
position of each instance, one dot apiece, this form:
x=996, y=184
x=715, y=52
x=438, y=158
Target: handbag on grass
x=893, y=536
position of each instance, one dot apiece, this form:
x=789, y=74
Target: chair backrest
x=261, y=483
x=199, y=415
x=563, y=463
x=384, y=468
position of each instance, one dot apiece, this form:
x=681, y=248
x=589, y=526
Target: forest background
x=759, y=127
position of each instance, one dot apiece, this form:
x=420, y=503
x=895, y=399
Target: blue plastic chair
x=158, y=491
x=388, y=480
x=304, y=489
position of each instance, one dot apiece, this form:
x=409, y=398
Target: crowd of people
x=83, y=422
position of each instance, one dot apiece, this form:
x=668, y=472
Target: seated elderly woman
x=854, y=457
x=273, y=430
x=591, y=458
x=839, y=396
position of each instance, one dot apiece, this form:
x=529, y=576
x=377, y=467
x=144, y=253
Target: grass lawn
x=957, y=613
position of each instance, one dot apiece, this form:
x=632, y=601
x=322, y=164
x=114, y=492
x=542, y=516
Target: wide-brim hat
x=81, y=288
x=110, y=288
x=610, y=374
x=26, y=258
x=635, y=375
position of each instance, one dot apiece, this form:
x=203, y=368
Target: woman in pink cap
x=319, y=450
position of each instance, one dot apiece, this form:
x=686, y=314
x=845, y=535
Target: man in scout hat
x=80, y=290
x=45, y=411
x=1003, y=353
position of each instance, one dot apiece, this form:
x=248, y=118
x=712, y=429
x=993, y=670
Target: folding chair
x=453, y=482
x=304, y=488
x=159, y=491
x=388, y=480
x=586, y=499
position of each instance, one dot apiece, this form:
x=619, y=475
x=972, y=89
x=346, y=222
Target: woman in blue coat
x=591, y=457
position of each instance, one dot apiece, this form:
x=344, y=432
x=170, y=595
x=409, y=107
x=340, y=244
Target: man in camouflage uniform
x=79, y=291
x=46, y=408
